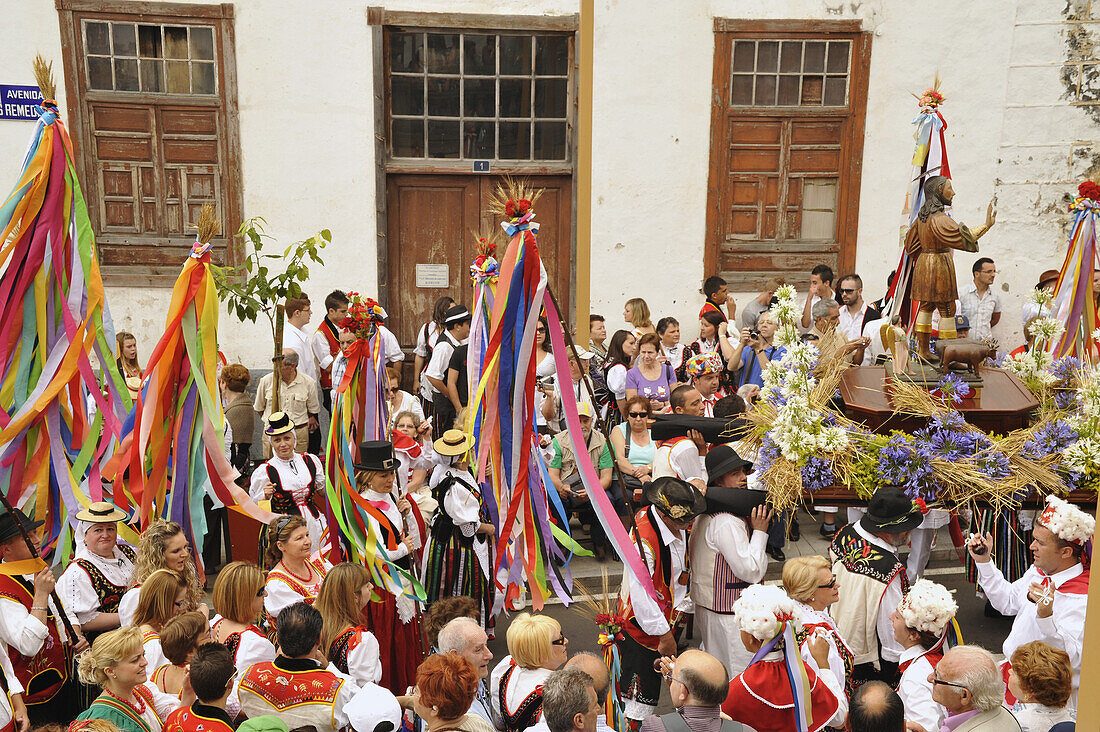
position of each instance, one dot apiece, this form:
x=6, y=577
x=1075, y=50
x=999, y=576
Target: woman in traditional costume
x=456, y=561
x=178, y=640
x=347, y=641
x=296, y=572
x=536, y=648
x=394, y=617
x=94, y=582
x=768, y=695
x=239, y=594
x=128, y=364
x=921, y=625
x=810, y=582
x=162, y=598
x=163, y=546
x=294, y=482
x=116, y=661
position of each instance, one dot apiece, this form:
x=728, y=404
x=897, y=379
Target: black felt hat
x=9, y=529
x=724, y=459
x=675, y=498
x=891, y=511
x=376, y=455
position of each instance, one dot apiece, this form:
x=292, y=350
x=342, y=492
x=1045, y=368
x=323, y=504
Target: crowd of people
x=123, y=639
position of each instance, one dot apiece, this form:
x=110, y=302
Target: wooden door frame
x=378, y=18
x=847, y=225
x=81, y=126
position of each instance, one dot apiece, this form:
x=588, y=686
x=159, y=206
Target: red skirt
x=398, y=643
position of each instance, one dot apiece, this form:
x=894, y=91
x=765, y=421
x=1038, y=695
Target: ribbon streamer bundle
x=929, y=159
x=53, y=314
x=795, y=669
x=531, y=522
x=360, y=413
x=174, y=444
x=1074, y=299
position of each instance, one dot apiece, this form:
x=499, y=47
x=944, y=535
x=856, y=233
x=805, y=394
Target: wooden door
x=431, y=222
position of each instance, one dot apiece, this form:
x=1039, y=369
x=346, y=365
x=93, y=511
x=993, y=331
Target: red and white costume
x=298, y=692
x=299, y=490
x=840, y=655
x=915, y=689
x=1065, y=628
x=37, y=651
x=286, y=588
x=355, y=653
x=248, y=646
x=679, y=457
x=761, y=699
x=520, y=703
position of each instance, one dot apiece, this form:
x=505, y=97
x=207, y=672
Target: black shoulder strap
x=312, y=468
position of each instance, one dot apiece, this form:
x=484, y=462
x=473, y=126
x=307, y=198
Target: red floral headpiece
x=1089, y=190
x=364, y=316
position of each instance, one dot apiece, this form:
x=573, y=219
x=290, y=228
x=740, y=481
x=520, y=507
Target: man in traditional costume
x=210, y=673
x=727, y=555
x=1049, y=600
x=682, y=457
x=39, y=648
x=866, y=565
x=325, y=343
x=705, y=370
x=930, y=239
x=649, y=623
x=296, y=686
x=779, y=687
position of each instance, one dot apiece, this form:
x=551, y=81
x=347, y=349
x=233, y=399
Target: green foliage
x=258, y=285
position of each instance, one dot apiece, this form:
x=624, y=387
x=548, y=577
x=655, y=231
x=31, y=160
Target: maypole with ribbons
x=1074, y=299
x=53, y=316
x=360, y=413
x=929, y=159
x=532, y=525
x=174, y=440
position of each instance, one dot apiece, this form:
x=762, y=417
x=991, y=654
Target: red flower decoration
x=1089, y=190
x=514, y=208
x=919, y=503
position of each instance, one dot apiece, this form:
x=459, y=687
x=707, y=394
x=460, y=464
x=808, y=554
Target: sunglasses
x=637, y=414
x=559, y=641
x=540, y=330
x=829, y=586
x=846, y=290
x=937, y=680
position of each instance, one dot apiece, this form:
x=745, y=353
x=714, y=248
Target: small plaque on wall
x=435, y=276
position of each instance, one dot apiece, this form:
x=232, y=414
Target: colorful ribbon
x=796, y=673
x=53, y=315
x=1074, y=299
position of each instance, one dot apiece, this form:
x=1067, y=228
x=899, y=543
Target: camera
x=754, y=333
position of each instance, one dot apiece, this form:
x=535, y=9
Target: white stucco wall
x=306, y=125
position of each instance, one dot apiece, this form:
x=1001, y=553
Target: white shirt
x=1064, y=629
x=891, y=597
x=127, y=605
x=601, y=725
x=616, y=380
x=873, y=332
x=1033, y=310
x=916, y=691
x=674, y=355
x=406, y=403
x=300, y=342
x=836, y=661
x=322, y=353
x=253, y=648
x=75, y=587
x=1038, y=718
x=14, y=687
x=728, y=536
x=521, y=683
x=153, y=652
x=364, y=662
x=295, y=479
x=979, y=310
x=646, y=611
x=391, y=347
x=851, y=325
x=682, y=461
x=441, y=358
x=21, y=630
x=280, y=594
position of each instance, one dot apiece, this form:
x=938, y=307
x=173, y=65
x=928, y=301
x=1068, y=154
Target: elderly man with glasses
x=968, y=684
x=698, y=684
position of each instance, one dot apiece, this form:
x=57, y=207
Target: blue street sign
x=17, y=101
x=481, y=166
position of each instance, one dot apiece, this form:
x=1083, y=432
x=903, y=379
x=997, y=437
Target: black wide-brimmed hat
x=9, y=529
x=724, y=459
x=456, y=314
x=376, y=455
x=675, y=498
x=892, y=511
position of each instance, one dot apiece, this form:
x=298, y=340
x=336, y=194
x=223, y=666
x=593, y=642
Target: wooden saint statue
x=930, y=239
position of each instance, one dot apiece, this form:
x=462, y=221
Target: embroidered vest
x=527, y=714
x=109, y=594
x=186, y=719
x=297, y=696
x=662, y=580
x=109, y=703
x=43, y=674
x=842, y=648
x=328, y=330
x=338, y=651
x=282, y=501
x=295, y=584
x=443, y=526
x=233, y=640
x=715, y=586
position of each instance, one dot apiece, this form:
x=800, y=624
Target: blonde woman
x=347, y=642
x=636, y=312
x=178, y=640
x=536, y=648
x=295, y=573
x=163, y=546
x=163, y=597
x=116, y=662
x=239, y=594
x=810, y=582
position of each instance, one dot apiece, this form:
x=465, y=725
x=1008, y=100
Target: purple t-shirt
x=657, y=390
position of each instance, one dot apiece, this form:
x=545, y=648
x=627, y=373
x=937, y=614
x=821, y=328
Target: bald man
x=594, y=666
x=875, y=707
x=698, y=684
